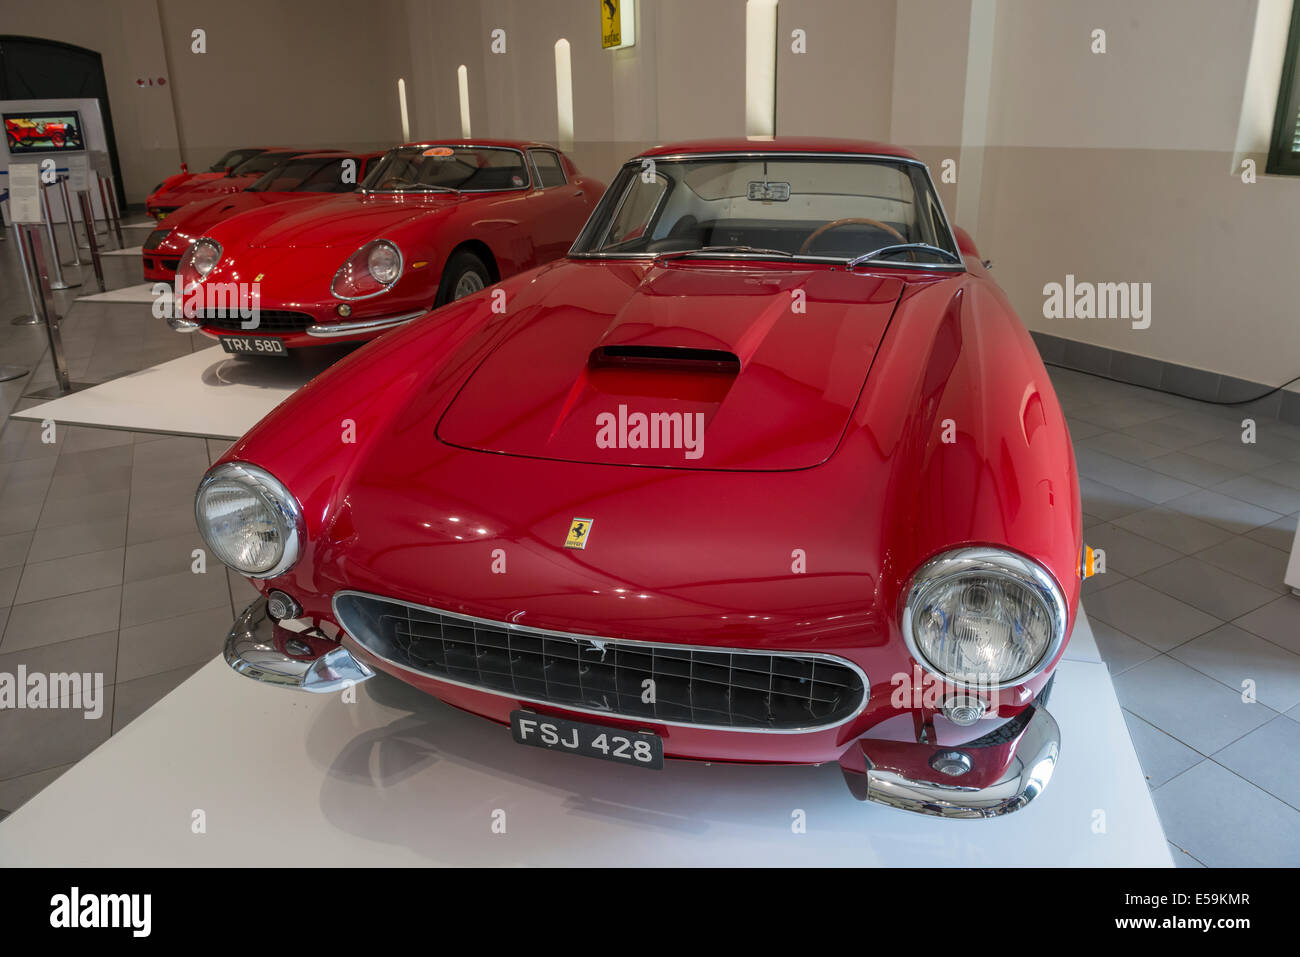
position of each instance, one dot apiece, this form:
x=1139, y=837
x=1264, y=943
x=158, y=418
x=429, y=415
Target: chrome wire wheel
x=469, y=283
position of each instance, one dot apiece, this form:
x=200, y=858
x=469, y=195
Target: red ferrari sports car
x=311, y=176
x=221, y=167
x=429, y=224
x=766, y=470
x=177, y=191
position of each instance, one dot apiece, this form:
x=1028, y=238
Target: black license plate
x=590, y=740
x=253, y=346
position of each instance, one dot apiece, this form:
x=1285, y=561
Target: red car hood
x=184, y=191
x=195, y=219
x=345, y=221
x=735, y=367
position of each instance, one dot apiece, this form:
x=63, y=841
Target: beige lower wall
x=1220, y=254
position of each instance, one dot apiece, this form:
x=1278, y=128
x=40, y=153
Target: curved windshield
x=307, y=176
x=806, y=207
x=262, y=163
x=431, y=169
x=234, y=158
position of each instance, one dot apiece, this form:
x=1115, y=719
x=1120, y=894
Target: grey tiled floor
x=1192, y=617
x=96, y=533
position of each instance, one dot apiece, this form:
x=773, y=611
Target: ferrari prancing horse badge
x=579, y=529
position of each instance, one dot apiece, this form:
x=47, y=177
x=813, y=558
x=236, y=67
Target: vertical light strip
x=760, y=67
x=975, y=112
x=564, y=94
x=406, y=119
x=462, y=81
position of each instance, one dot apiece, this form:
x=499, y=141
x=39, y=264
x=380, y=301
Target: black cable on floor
x=1262, y=395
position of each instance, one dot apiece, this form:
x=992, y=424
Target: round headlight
x=371, y=270
x=384, y=263
x=249, y=520
x=983, y=617
x=204, y=256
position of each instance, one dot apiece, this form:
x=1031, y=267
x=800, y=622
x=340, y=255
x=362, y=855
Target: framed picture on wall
x=54, y=132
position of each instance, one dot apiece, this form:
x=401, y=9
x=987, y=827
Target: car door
x=560, y=206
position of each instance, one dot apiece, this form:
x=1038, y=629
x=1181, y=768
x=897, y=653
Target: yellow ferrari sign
x=617, y=24
x=579, y=529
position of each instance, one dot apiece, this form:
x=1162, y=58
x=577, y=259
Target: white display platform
x=397, y=778
x=141, y=292
x=127, y=251
x=208, y=393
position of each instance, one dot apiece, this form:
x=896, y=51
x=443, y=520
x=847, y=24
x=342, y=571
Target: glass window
x=457, y=168
x=549, y=170
x=263, y=163
x=234, y=158
x=810, y=206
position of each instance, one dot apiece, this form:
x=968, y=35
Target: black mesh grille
x=704, y=686
x=271, y=320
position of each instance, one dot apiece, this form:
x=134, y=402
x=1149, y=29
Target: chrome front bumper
x=253, y=650
x=330, y=331
x=1025, y=776
x=258, y=647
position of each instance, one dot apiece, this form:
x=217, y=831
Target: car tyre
x=465, y=275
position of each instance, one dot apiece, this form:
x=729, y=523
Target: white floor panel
x=397, y=778
x=128, y=251
x=142, y=292
x=207, y=393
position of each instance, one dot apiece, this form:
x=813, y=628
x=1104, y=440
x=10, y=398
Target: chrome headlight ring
x=281, y=508
x=990, y=563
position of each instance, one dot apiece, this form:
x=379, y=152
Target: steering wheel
x=852, y=221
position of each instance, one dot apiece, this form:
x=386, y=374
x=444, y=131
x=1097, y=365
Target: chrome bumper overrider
x=363, y=325
x=1026, y=775
x=252, y=651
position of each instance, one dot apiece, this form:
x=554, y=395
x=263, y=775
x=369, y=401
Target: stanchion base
x=12, y=372
x=24, y=320
x=55, y=284
x=54, y=392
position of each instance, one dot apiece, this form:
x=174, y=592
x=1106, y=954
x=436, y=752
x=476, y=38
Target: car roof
x=482, y=141
x=780, y=144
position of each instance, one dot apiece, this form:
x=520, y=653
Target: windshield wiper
x=762, y=250
x=414, y=188
x=902, y=247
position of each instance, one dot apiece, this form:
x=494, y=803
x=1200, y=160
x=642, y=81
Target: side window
x=637, y=208
x=549, y=170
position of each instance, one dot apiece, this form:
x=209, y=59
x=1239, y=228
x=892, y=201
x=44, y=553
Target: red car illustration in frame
x=431, y=222
x=306, y=178
x=765, y=470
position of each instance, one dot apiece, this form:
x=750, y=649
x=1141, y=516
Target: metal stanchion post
x=108, y=216
x=33, y=261
x=117, y=217
x=88, y=218
x=72, y=232
x=30, y=320
x=56, y=268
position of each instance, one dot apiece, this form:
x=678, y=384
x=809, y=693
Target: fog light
x=343, y=309
x=281, y=606
x=964, y=710
x=297, y=647
x=952, y=763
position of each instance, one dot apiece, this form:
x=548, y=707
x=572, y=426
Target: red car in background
x=168, y=198
x=311, y=176
x=432, y=222
x=221, y=167
x=766, y=470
